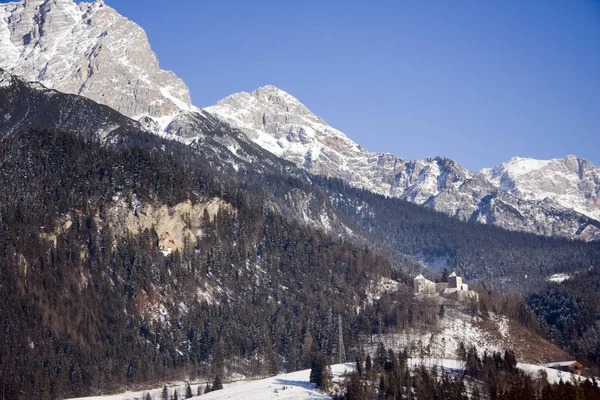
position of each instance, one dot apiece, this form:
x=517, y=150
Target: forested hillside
x=569, y=313
x=84, y=309
x=505, y=260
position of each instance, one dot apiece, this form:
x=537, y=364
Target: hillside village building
x=454, y=288
x=573, y=367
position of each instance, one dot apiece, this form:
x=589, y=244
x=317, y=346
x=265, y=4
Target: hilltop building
x=454, y=288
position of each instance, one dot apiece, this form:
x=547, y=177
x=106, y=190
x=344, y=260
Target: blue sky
x=477, y=81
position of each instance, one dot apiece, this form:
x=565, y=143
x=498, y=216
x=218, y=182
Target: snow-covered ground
x=554, y=375
x=141, y=395
x=456, y=326
x=296, y=385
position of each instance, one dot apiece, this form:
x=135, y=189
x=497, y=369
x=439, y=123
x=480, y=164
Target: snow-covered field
x=296, y=385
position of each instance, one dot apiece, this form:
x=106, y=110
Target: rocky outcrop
x=90, y=50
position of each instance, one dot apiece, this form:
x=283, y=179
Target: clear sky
x=478, y=81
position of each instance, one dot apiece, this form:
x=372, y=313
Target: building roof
x=452, y=275
x=561, y=364
x=420, y=276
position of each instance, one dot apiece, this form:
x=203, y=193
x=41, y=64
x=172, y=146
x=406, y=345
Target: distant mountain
x=90, y=50
x=281, y=124
x=571, y=181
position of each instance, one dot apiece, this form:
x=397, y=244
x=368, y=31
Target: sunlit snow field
x=296, y=385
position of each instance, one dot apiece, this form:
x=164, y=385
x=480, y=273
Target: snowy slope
x=572, y=182
x=90, y=50
x=495, y=334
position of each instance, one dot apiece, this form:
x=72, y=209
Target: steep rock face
x=90, y=50
x=572, y=182
x=280, y=123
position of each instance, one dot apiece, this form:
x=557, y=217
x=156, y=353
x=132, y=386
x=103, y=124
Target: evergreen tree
x=444, y=275
x=320, y=373
x=368, y=363
x=381, y=355
x=188, y=391
x=217, y=384
x=164, y=395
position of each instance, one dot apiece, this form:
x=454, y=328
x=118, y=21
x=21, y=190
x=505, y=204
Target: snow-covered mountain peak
x=272, y=102
x=570, y=181
x=91, y=50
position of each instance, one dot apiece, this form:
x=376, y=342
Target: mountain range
x=90, y=50
x=143, y=239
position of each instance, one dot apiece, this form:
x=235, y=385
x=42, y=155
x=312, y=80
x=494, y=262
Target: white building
x=454, y=288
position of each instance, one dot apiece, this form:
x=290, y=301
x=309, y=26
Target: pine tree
x=320, y=372
x=188, y=391
x=165, y=393
x=444, y=275
x=217, y=384
x=381, y=355
x=368, y=363
x=199, y=391
x=358, y=366
x=175, y=395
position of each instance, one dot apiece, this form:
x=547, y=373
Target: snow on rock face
x=281, y=124
x=572, y=182
x=90, y=50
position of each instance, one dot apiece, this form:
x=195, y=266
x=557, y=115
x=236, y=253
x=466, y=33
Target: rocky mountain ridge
x=568, y=207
